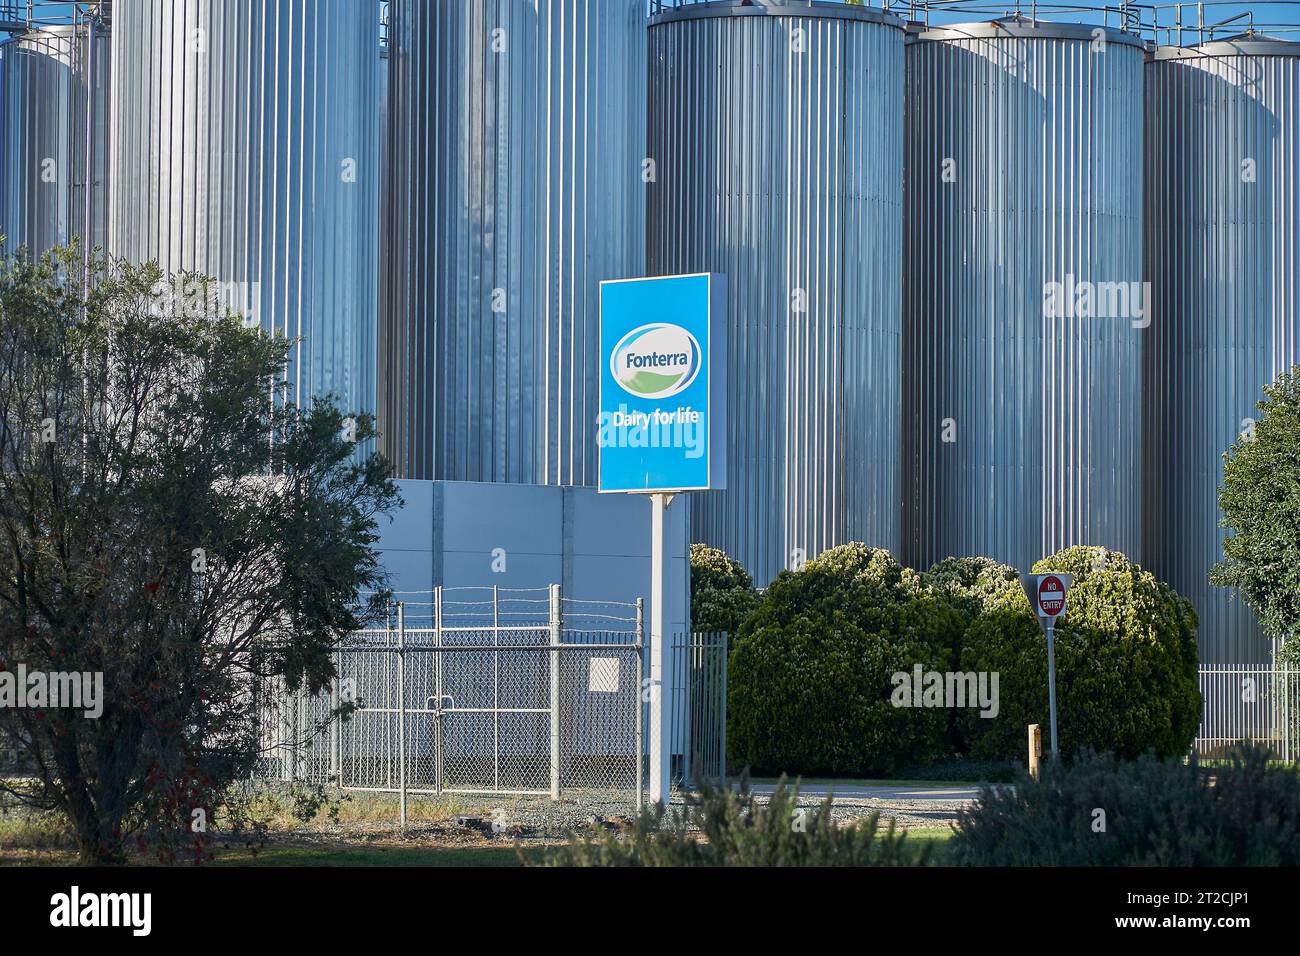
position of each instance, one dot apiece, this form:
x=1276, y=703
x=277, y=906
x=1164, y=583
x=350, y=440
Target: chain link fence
x=477, y=692
x=485, y=692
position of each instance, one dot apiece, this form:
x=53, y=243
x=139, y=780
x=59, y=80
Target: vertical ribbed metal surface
x=43, y=132
x=779, y=144
x=1044, y=135
x=517, y=137
x=1225, y=273
x=245, y=147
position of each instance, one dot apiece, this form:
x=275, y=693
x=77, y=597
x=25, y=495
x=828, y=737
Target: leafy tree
x=811, y=675
x=167, y=524
x=722, y=592
x=1260, y=501
x=1126, y=663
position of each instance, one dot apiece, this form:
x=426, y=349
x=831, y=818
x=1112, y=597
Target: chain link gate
x=480, y=697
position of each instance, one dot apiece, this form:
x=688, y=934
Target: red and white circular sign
x=1051, y=596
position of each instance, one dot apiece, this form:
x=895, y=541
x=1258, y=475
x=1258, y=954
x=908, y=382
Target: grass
x=324, y=855
x=359, y=808
x=937, y=839
x=399, y=856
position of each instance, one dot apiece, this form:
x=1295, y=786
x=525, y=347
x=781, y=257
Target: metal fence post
x=401, y=709
x=722, y=747
x=640, y=703
x=301, y=741
x=496, y=689
x=437, y=689
x=683, y=652
x=336, y=732
x=556, y=634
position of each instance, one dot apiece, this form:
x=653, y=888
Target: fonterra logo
x=656, y=360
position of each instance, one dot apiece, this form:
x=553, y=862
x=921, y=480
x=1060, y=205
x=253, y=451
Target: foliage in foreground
x=172, y=528
x=1104, y=811
x=724, y=827
x=1260, y=501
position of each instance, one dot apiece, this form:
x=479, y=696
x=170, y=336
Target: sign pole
x=660, y=678
x=1047, y=597
x=1051, y=681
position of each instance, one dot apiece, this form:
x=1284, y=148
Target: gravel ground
x=518, y=816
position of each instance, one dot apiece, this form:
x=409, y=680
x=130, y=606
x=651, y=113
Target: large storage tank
x=1223, y=129
x=245, y=147
x=777, y=133
x=1023, y=390
x=48, y=77
x=517, y=137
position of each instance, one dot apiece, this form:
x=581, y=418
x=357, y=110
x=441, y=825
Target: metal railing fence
x=699, y=707
x=1171, y=22
x=1256, y=704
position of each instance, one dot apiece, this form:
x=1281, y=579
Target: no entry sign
x=1047, y=593
x=1051, y=596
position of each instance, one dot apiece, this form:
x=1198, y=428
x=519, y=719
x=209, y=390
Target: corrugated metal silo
x=245, y=147
x=1023, y=398
x=1223, y=128
x=777, y=131
x=517, y=132
x=43, y=136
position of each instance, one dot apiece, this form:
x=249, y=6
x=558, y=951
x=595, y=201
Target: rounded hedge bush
x=810, y=673
x=722, y=592
x=972, y=586
x=1126, y=663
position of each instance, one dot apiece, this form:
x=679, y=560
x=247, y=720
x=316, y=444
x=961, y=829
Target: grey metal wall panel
x=778, y=138
x=1225, y=274
x=245, y=147
x=1040, y=132
x=517, y=136
x=43, y=133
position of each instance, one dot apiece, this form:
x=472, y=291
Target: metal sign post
x=1047, y=594
x=662, y=430
x=1051, y=684
x=661, y=677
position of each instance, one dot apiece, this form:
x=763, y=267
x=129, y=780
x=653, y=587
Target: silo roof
x=768, y=8
x=1023, y=27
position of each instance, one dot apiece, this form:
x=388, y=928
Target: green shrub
x=1104, y=811
x=721, y=827
x=722, y=592
x=973, y=584
x=810, y=673
x=1126, y=664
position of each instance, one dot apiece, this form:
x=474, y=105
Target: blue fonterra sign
x=663, y=382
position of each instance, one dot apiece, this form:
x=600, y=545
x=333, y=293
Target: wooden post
x=1035, y=749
